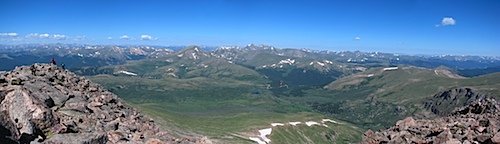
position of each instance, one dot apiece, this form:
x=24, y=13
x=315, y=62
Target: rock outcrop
x=478, y=122
x=445, y=102
x=46, y=104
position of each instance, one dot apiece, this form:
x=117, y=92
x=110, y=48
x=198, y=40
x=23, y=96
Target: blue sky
x=397, y=26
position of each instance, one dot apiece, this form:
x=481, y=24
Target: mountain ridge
x=78, y=56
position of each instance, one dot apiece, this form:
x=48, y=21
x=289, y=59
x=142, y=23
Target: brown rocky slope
x=43, y=103
x=478, y=122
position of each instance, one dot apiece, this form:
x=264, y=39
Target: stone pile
x=52, y=105
x=478, y=122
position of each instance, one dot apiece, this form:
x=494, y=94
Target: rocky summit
x=43, y=103
x=478, y=122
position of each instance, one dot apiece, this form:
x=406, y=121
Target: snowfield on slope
x=127, y=73
x=262, y=138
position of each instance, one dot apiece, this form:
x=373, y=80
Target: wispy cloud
x=110, y=38
x=124, y=37
x=79, y=38
x=9, y=34
x=357, y=38
x=36, y=35
x=147, y=37
x=46, y=35
x=446, y=21
x=59, y=37
x=49, y=36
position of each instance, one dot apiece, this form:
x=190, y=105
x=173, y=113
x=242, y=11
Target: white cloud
x=78, y=38
x=59, y=37
x=147, y=37
x=110, y=38
x=357, y=38
x=446, y=21
x=46, y=35
x=36, y=35
x=32, y=35
x=124, y=37
x=49, y=36
x=9, y=34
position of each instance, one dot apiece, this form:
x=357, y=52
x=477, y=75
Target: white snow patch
x=180, y=55
x=328, y=62
x=287, y=61
x=262, y=139
x=310, y=123
x=171, y=74
x=127, y=73
x=320, y=63
x=390, y=68
x=370, y=75
x=277, y=124
x=311, y=63
x=264, y=133
x=194, y=55
x=329, y=120
x=80, y=55
x=230, y=61
x=258, y=140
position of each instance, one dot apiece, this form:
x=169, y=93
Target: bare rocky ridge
x=445, y=102
x=478, y=122
x=52, y=105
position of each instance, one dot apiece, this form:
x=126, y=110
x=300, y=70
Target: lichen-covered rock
x=53, y=105
x=78, y=138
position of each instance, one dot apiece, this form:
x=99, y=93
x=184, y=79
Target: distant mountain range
x=229, y=92
x=78, y=55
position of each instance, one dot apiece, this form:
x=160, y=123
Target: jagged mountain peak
x=47, y=104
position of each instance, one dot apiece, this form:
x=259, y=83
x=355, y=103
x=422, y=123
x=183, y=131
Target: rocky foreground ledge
x=479, y=122
x=43, y=103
